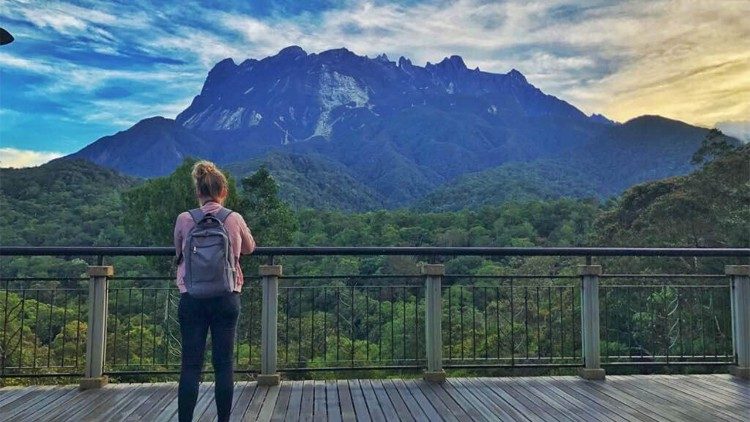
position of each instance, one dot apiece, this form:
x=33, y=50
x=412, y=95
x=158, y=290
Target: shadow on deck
x=648, y=398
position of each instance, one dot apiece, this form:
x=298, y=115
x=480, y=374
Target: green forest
x=369, y=311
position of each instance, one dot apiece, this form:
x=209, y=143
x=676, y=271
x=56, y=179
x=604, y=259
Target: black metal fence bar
x=43, y=330
x=668, y=319
x=350, y=324
x=511, y=321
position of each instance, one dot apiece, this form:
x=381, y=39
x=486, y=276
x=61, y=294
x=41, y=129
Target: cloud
x=126, y=112
x=739, y=130
x=19, y=158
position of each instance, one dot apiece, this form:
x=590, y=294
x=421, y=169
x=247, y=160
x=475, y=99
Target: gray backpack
x=209, y=262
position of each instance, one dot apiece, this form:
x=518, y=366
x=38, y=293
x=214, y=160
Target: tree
x=271, y=220
x=714, y=145
x=152, y=208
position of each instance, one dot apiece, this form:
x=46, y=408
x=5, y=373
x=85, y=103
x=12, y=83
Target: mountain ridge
x=398, y=129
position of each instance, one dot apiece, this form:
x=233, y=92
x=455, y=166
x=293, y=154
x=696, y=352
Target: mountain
x=642, y=149
x=385, y=121
x=394, y=130
x=312, y=181
x=153, y=147
x=429, y=123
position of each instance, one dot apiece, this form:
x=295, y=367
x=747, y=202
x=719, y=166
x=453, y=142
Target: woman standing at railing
x=209, y=241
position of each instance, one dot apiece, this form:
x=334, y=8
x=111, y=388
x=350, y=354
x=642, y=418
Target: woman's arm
x=247, y=241
x=178, y=237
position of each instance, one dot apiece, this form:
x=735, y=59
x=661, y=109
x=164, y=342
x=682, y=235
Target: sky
x=80, y=70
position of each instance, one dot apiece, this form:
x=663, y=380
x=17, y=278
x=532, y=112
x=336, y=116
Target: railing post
x=96, y=338
x=270, y=278
x=739, y=276
x=592, y=369
x=433, y=321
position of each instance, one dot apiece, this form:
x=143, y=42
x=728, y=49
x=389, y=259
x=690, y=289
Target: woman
x=219, y=314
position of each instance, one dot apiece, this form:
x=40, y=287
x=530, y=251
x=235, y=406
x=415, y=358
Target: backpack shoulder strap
x=223, y=214
x=197, y=214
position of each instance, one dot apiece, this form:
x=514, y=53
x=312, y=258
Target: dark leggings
x=197, y=316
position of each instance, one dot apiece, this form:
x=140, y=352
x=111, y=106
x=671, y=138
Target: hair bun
x=204, y=168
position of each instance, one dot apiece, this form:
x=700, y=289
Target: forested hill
x=77, y=203
x=64, y=202
x=512, y=182
x=312, y=181
x=644, y=149
x=708, y=208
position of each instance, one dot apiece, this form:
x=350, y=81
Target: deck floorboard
x=655, y=398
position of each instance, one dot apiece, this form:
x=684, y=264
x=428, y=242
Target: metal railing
x=381, y=322
x=666, y=319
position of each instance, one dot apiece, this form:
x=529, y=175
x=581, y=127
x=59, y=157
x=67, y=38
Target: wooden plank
x=50, y=408
x=263, y=403
x=205, y=399
x=420, y=387
x=170, y=409
x=385, y=403
x=445, y=398
x=571, y=403
x=732, y=381
x=696, y=399
x=345, y=401
x=373, y=407
x=398, y=403
x=519, y=406
x=721, y=392
x=590, y=390
x=467, y=401
x=32, y=406
x=9, y=394
x=295, y=402
x=23, y=400
x=737, y=387
x=587, y=401
x=306, y=410
x=319, y=403
x=706, y=392
x=82, y=401
x=642, y=401
x=134, y=402
x=542, y=409
x=282, y=401
x=495, y=406
x=109, y=407
x=664, y=397
x=358, y=401
x=243, y=400
x=154, y=403
x=550, y=404
x=611, y=398
x=410, y=402
x=333, y=410
x=210, y=414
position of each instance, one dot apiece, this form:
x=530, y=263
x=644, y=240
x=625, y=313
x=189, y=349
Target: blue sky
x=79, y=70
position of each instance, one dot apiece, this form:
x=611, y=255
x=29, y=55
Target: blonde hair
x=209, y=181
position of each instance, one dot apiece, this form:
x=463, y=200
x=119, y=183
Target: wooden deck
x=619, y=398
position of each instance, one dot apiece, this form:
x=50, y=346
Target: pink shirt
x=239, y=235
